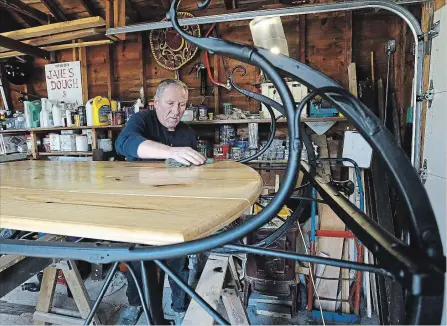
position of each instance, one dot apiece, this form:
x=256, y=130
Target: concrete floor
x=112, y=304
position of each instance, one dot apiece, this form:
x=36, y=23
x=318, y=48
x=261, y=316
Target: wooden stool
x=45, y=313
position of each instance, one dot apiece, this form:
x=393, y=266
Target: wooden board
x=62, y=37
x=122, y=201
x=233, y=306
x=209, y=288
x=352, y=74
x=69, y=26
x=330, y=246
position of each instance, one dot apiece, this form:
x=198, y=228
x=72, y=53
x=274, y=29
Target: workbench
x=145, y=203
x=141, y=203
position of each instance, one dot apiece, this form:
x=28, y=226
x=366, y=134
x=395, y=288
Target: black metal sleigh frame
x=419, y=267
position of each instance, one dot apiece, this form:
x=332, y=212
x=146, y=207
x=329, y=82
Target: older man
x=159, y=134
x=153, y=135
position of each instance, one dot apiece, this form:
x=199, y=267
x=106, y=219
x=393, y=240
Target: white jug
x=89, y=112
x=57, y=115
x=46, y=114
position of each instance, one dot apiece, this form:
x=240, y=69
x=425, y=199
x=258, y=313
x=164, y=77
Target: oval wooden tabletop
x=144, y=203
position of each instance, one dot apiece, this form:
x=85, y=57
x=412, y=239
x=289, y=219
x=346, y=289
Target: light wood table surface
x=145, y=203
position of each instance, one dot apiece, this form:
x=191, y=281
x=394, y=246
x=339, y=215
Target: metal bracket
x=429, y=95
x=431, y=34
x=390, y=47
x=423, y=172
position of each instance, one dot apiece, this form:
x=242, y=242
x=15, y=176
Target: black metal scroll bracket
x=259, y=97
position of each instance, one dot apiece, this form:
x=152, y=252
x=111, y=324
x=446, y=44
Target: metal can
x=236, y=153
x=82, y=116
x=203, y=149
x=77, y=120
x=203, y=112
x=221, y=152
x=228, y=109
x=227, y=133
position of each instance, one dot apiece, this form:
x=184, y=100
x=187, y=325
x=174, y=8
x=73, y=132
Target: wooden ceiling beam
x=166, y=4
x=24, y=48
x=58, y=47
x=92, y=11
x=230, y=4
x=25, y=21
x=20, y=7
x=55, y=10
x=62, y=37
x=69, y=26
x=133, y=14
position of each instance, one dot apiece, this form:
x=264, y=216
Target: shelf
x=65, y=153
x=242, y=121
x=12, y=131
x=59, y=128
x=269, y=161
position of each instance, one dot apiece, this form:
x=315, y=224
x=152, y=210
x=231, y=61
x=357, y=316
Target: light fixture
x=268, y=33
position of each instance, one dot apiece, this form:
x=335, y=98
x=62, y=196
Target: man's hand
x=186, y=156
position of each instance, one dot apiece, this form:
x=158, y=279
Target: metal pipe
x=310, y=259
x=395, y=8
x=130, y=269
x=335, y=234
x=193, y=294
x=248, y=15
x=102, y=293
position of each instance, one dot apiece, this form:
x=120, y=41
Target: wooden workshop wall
x=327, y=42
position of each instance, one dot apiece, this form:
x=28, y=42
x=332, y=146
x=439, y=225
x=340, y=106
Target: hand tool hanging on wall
x=390, y=49
x=201, y=75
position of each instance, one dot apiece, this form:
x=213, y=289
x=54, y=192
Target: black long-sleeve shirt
x=145, y=126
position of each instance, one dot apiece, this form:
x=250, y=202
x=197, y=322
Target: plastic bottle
x=46, y=115
x=32, y=113
x=57, y=115
x=68, y=116
x=138, y=106
x=100, y=111
x=89, y=112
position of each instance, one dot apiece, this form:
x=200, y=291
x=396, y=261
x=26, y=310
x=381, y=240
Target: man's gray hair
x=168, y=82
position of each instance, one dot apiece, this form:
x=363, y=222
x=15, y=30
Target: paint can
x=81, y=143
x=45, y=142
x=55, y=142
x=105, y=144
x=236, y=153
x=221, y=152
x=203, y=149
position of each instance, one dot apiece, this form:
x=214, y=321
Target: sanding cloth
x=171, y=163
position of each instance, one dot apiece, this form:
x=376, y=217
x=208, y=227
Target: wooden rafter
x=55, y=10
x=49, y=29
x=92, y=11
x=62, y=37
x=166, y=4
x=59, y=47
x=25, y=21
x=20, y=7
x=24, y=48
x=230, y=4
x=131, y=13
